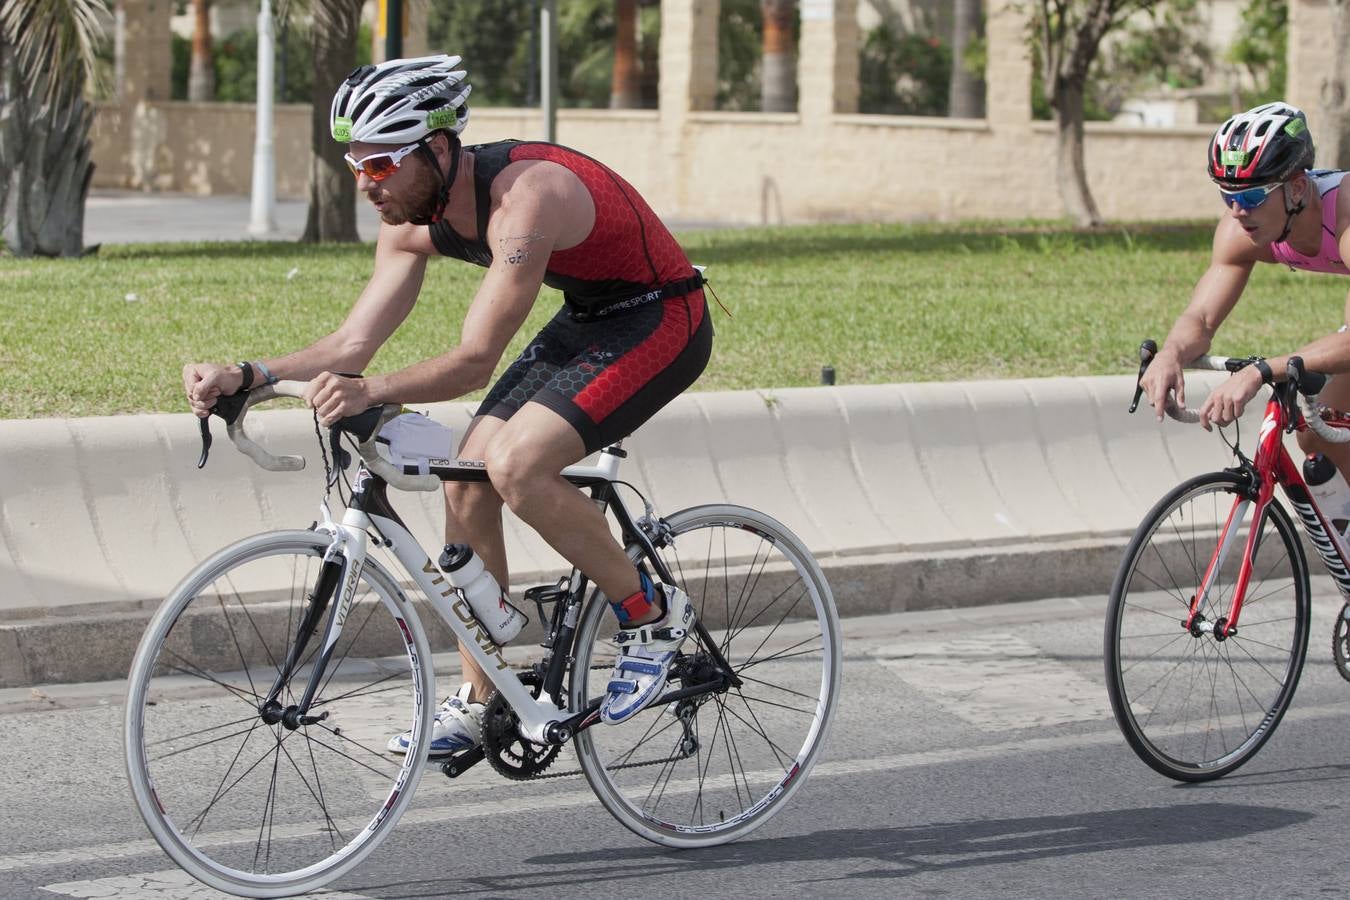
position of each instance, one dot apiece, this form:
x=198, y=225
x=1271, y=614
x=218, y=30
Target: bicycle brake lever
x=342, y=459
x=204, y=424
x=1146, y=352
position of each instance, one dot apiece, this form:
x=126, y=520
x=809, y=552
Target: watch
x=1267, y=376
x=246, y=370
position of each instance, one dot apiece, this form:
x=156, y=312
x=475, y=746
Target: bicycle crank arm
x=462, y=762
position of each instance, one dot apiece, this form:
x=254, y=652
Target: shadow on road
x=885, y=852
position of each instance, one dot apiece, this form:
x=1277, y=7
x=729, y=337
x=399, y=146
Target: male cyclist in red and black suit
x=633, y=332
x=1278, y=211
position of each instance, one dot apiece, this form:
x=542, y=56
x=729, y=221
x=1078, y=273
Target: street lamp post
x=548, y=67
x=263, y=211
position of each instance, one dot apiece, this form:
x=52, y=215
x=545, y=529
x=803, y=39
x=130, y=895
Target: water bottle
x=1330, y=490
x=488, y=602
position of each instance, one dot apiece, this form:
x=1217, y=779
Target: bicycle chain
x=540, y=774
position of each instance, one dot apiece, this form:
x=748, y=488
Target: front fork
x=1226, y=626
x=341, y=569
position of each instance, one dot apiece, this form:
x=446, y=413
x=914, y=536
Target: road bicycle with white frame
x=268, y=683
x=1207, y=625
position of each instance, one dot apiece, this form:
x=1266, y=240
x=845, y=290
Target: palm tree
x=45, y=119
x=778, y=89
x=201, y=72
x=625, y=93
x=332, y=192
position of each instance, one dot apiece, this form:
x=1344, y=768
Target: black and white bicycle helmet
x=1264, y=145
x=401, y=101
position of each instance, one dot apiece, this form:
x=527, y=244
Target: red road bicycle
x=1207, y=626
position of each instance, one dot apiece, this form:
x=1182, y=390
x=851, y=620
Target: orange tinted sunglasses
x=379, y=166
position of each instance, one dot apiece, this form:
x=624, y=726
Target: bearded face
x=409, y=195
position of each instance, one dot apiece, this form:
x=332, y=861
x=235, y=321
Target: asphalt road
x=974, y=756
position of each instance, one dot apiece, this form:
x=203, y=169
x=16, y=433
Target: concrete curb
x=913, y=496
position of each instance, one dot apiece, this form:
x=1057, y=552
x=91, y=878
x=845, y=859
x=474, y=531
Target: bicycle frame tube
x=1330, y=545
x=1272, y=465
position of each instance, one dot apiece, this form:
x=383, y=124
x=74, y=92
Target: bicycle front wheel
x=1192, y=706
x=254, y=807
x=712, y=768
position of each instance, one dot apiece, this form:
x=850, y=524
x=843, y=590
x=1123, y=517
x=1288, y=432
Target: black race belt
x=623, y=304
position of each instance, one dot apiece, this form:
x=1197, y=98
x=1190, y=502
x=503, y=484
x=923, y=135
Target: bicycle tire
x=757, y=743
x=1192, y=707
x=255, y=809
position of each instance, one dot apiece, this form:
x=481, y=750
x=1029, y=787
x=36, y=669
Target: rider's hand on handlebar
x=1162, y=377
x=204, y=382
x=1226, y=403
x=334, y=397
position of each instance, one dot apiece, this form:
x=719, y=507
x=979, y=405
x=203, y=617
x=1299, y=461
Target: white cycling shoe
x=458, y=726
x=645, y=655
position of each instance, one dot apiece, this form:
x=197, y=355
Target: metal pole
x=393, y=29
x=263, y=214
x=548, y=67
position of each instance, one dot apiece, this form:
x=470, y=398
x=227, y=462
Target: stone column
x=415, y=16
x=1007, y=74
x=827, y=58
x=688, y=57
x=688, y=83
x=146, y=65
x=1310, y=54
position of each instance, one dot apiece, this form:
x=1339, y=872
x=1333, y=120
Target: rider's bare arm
x=1216, y=293
x=537, y=210
x=385, y=302
x=1330, y=353
x=388, y=297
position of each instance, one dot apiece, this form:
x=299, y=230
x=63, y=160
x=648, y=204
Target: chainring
x=1340, y=642
x=506, y=751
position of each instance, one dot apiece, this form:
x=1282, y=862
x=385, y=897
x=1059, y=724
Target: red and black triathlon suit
x=633, y=331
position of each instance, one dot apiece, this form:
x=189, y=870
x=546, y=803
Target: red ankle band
x=634, y=606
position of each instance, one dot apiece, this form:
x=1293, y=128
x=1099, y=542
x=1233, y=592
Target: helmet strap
x=1290, y=210
x=443, y=196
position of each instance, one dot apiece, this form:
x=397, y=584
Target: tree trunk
x=332, y=190
x=1070, y=171
x=1331, y=127
x=965, y=94
x=624, y=92
x=778, y=81
x=55, y=171
x=201, y=73
x=11, y=115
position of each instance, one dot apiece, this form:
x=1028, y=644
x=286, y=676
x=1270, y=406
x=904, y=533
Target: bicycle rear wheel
x=712, y=768
x=260, y=809
x=1192, y=706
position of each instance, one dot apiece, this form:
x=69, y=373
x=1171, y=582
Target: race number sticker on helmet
x=401, y=101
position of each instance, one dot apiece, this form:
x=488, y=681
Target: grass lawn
x=880, y=303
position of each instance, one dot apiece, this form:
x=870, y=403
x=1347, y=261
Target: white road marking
x=996, y=682
x=468, y=808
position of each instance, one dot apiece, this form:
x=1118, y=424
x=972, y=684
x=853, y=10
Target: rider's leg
x=524, y=460
x=473, y=516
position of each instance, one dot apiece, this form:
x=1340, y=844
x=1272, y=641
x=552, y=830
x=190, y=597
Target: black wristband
x=247, y=371
x=1267, y=376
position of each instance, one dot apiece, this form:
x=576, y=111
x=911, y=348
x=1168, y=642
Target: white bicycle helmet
x=401, y=101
